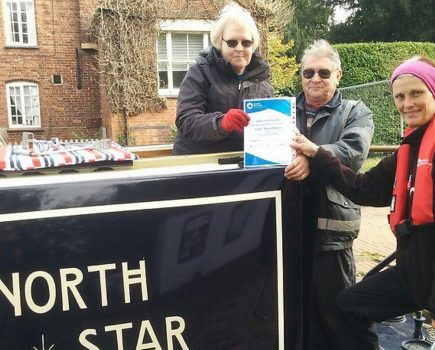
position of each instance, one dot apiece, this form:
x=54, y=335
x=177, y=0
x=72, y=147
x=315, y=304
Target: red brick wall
x=147, y=128
x=66, y=111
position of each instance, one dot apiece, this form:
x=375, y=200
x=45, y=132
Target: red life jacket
x=422, y=205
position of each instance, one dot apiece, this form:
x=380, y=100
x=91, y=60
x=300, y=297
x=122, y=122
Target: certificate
x=269, y=133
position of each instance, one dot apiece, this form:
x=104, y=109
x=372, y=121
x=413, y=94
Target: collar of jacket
x=333, y=103
x=414, y=138
x=257, y=67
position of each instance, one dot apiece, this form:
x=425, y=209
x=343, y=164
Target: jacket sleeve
x=193, y=121
x=353, y=146
x=374, y=188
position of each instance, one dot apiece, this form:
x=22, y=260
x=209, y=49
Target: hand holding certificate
x=270, y=131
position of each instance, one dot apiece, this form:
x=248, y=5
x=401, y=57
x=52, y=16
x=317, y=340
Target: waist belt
x=338, y=225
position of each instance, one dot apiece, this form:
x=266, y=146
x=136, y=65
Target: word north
x=25, y=289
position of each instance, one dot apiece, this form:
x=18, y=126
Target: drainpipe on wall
x=125, y=126
x=78, y=70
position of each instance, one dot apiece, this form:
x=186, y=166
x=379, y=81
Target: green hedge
x=386, y=118
x=369, y=62
x=364, y=63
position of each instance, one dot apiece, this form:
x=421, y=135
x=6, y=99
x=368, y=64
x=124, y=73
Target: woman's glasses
x=233, y=43
x=309, y=73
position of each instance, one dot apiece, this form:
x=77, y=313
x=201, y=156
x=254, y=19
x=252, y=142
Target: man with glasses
x=210, y=101
x=331, y=221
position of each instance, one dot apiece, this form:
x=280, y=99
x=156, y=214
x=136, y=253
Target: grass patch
x=370, y=163
x=372, y=256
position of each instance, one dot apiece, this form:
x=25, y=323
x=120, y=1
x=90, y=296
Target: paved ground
x=375, y=241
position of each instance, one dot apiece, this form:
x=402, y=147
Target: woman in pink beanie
x=405, y=181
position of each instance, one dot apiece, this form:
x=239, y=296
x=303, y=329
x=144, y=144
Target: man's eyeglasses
x=323, y=73
x=233, y=43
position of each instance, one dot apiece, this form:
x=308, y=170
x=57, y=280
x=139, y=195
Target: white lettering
x=129, y=279
x=72, y=286
x=14, y=297
x=146, y=337
x=118, y=328
x=101, y=269
x=19, y=290
x=40, y=309
x=175, y=332
x=85, y=342
x=144, y=327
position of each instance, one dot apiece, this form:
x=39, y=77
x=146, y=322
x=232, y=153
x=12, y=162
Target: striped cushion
x=13, y=158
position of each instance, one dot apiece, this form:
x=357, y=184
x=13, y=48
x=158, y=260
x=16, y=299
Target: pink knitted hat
x=420, y=69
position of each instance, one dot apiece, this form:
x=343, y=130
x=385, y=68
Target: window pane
x=162, y=66
x=162, y=53
x=179, y=47
x=180, y=66
x=26, y=90
x=195, y=45
x=23, y=17
x=178, y=77
x=24, y=104
x=163, y=80
x=15, y=27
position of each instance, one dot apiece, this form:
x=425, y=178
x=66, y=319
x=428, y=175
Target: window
x=23, y=105
x=20, y=23
x=177, y=47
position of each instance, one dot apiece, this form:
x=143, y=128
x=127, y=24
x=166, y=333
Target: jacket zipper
x=410, y=198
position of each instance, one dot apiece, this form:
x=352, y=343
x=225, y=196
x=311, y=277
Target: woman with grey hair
x=209, y=109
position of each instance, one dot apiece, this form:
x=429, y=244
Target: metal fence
x=377, y=96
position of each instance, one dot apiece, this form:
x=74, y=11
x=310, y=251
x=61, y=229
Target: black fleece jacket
x=415, y=258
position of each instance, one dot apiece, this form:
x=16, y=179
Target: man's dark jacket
x=348, y=137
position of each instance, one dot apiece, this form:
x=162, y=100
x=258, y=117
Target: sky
x=340, y=14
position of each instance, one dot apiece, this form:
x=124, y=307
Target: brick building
x=48, y=70
x=47, y=85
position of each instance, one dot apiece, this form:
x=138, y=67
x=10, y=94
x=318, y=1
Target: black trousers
x=332, y=272
x=375, y=299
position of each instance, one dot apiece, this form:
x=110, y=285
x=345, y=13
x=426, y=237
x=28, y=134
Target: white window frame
x=21, y=85
x=169, y=27
x=31, y=26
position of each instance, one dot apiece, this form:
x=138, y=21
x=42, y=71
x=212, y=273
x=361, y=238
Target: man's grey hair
x=234, y=14
x=321, y=48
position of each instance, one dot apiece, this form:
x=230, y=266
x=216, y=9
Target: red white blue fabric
x=12, y=158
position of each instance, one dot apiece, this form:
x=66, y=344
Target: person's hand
x=235, y=120
x=304, y=146
x=298, y=169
